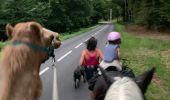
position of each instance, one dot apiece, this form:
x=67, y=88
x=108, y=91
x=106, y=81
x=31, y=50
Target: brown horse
x=21, y=59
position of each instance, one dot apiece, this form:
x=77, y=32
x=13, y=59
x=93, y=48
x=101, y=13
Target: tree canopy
x=154, y=14
x=70, y=15
x=58, y=15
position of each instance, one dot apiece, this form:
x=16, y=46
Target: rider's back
x=91, y=58
x=110, y=52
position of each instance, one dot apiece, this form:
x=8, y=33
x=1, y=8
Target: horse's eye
x=57, y=38
x=51, y=37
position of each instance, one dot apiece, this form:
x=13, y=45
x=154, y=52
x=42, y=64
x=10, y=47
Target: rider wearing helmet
x=112, y=51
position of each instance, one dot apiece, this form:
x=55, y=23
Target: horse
x=21, y=59
x=113, y=85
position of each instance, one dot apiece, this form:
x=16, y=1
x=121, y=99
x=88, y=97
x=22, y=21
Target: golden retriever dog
x=21, y=59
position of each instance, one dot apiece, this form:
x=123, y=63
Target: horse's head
x=25, y=32
x=124, y=89
x=56, y=40
x=134, y=88
x=104, y=81
x=33, y=35
x=49, y=37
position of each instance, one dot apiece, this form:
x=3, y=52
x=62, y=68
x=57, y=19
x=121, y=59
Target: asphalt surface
x=67, y=59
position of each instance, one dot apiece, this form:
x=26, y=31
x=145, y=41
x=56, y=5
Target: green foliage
x=57, y=15
x=99, y=9
x=65, y=36
x=152, y=13
x=70, y=15
x=15, y=11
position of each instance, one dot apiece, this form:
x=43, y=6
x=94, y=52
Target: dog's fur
x=20, y=64
x=78, y=73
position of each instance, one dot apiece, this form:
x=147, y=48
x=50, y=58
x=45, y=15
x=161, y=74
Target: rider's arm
x=82, y=58
x=118, y=53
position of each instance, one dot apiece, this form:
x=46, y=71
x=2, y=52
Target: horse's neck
x=20, y=58
x=124, y=89
x=18, y=70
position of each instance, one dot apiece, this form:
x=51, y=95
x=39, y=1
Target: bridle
x=49, y=50
x=31, y=45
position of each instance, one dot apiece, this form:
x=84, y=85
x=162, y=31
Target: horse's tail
x=144, y=79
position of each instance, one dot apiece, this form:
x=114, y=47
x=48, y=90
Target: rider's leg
x=89, y=75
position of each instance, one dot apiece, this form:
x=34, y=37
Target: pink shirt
x=91, y=58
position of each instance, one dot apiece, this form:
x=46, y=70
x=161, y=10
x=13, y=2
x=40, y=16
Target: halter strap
x=31, y=45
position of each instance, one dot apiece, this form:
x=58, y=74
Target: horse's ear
x=144, y=79
x=36, y=28
x=106, y=77
x=9, y=30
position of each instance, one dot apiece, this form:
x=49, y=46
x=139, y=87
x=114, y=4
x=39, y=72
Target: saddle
x=126, y=71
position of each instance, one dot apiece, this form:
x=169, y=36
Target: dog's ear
x=9, y=30
x=144, y=79
x=36, y=29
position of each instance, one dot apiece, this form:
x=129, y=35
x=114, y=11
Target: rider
x=112, y=51
x=90, y=59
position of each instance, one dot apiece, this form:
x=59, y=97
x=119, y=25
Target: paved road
x=67, y=59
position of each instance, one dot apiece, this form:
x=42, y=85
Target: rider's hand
x=82, y=68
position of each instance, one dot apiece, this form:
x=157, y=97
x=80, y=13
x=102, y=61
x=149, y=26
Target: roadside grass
x=2, y=44
x=144, y=53
x=65, y=36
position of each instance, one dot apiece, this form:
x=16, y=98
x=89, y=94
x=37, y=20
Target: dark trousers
x=91, y=74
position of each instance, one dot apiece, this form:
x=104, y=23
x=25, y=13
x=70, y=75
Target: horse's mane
x=124, y=89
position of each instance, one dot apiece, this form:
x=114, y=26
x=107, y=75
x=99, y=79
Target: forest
x=70, y=15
